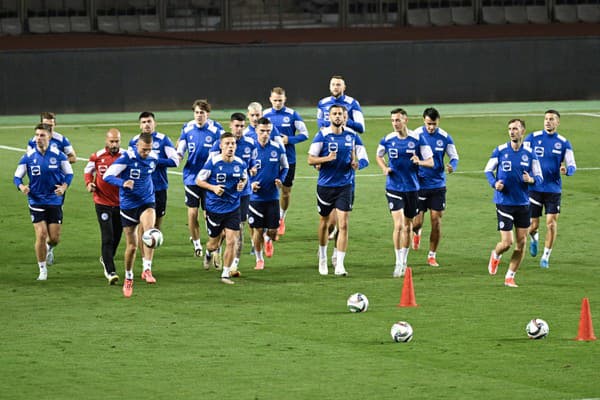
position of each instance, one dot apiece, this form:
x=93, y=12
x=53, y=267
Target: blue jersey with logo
x=338, y=172
x=57, y=141
x=245, y=149
x=44, y=171
x=508, y=165
x=217, y=171
x=271, y=164
x=356, y=119
x=132, y=166
x=289, y=123
x=197, y=142
x=441, y=144
x=250, y=131
x=165, y=153
x=404, y=173
x=552, y=150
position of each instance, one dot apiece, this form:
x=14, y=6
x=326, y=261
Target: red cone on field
x=408, y=291
x=586, y=329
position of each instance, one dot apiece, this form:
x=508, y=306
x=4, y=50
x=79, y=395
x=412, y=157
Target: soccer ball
x=537, y=329
x=402, y=332
x=152, y=238
x=357, y=302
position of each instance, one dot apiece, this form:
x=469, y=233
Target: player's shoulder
x=419, y=131
x=390, y=136
x=248, y=140
x=536, y=133
x=159, y=136
x=213, y=128
x=502, y=147
x=99, y=153
x=189, y=126
x=414, y=135
x=443, y=133
x=30, y=152
x=350, y=100
x=129, y=153
x=268, y=111
x=55, y=151
x=134, y=139
x=561, y=138
x=324, y=101
x=276, y=144
x=324, y=132
x=239, y=160
x=58, y=136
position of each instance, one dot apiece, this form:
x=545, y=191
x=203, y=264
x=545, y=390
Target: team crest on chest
x=348, y=138
x=411, y=145
x=557, y=145
x=439, y=143
x=236, y=169
x=286, y=119
x=273, y=153
x=524, y=158
x=52, y=160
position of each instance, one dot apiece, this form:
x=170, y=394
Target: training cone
x=586, y=330
x=408, y=291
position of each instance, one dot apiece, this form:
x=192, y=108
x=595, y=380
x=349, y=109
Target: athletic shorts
x=539, y=200
x=195, y=196
x=244, y=203
x=432, y=199
x=216, y=223
x=289, y=178
x=50, y=214
x=131, y=217
x=329, y=198
x=509, y=216
x=406, y=201
x=161, y=203
x=264, y=214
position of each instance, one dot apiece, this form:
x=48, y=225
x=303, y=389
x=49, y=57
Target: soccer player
x=556, y=157
x=255, y=112
x=272, y=167
x=106, y=200
x=337, y=87
x=57, y=140
x=49, y=174
x=132, y=173
x=246, y=150
x=293, y=131
x=224, y=178
x=511, y=170
x=406, y=152
x=197, y=140
x=432, y=195
x=335, y=151
x=167, y=158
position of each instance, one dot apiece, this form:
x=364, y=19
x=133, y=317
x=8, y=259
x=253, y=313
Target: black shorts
x=195, y=196
x=509, y=216
x=131, y=217
x=432, y=199
x=539, y=200
x=216, y=223
x=264, y=214
x=244, y=203
x=329, y=198
x=161, y=203
x=289, y=178
x=406, y=201
x=49, y=214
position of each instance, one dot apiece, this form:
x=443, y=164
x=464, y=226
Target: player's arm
x=490, y=168
x=89, y=174
x=181, y=145
x=172, y=159
x=315, y=150
x=360, y=153
x=18, y=177
x=426, y=159
x=112, y=174
x=453, y=155
x=321, y=122
x=569, y=166
x=202, y=181
x=380, y=159
x=357, y=122
x=301, y=132
x=284, y=166
x=536, y=171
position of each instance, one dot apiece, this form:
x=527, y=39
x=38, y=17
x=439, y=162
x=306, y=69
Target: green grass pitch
x=285, y=333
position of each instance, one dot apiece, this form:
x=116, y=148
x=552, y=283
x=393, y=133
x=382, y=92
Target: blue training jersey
x=197, y=142
x=165, y=153
x=245, y=149
x=338, y=172
x=44, y=172
x=404, y=175
x=57, y=141
x=356, y=119
x=508, y=165
x=271, y=164
x=289, y=123
x=132, y=166
x=441, y=144
x=551, y=150
x=217, y=171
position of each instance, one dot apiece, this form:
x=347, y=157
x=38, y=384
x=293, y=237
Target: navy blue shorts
x=216, y=223
x=50, y=214
x=509, y=216
x=195, y=196
x=407, y=201
x=161, y=202
x=244, y=203
x=264, y=214
x=131, y=217
x=289, y=178
x=329, y=198
x=539, y=200
x=432, y=199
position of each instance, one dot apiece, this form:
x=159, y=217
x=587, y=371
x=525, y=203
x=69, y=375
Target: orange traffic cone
x=408, y=291
x=586, y=330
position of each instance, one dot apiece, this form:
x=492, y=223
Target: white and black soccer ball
x=401, y=332
x=357, y=302
x=537, y=329
x=152, y=238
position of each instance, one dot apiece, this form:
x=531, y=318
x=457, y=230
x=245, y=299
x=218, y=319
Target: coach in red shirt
x=106, y=199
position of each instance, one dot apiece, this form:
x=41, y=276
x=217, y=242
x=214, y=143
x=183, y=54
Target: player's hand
x=218, y=189
x=415, y=159
x=499, y=185
x=255, y=187
x=24, y=188
x=128, y=184
x=387, y=171
x=253, y=171
x=241, y=185
x=278, y=183
x=449, y=168
x=284, y=139
x=563, y=170
x=332, y=156
x=527, y=178
x=91, y=187
x=60, y=189
x=354, y=165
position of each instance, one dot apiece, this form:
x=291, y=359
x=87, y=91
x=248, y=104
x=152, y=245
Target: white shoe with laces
x=43, y=274
x=323, y=270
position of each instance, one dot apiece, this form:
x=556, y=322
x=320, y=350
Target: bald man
x=106, y=199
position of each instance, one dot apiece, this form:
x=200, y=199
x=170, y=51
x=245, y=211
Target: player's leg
x=504, y=226
x=131, y=240
x=284, y=204
x=398, y=219
x=435, y=236
x=230, y=239
x=194, y=199
x=517, y=257
x=107, y=235
x=342, y=241
x=325, y=199
x=551, y=232
x=41, y=237
x=536, y=204
x=147, y=221
x=270, y=210
x=422, y=205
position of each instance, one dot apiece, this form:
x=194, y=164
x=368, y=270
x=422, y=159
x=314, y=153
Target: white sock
x=197, y=244
x=147, y=264
x=509, y=274
x=546, y=254
x=399, y=256
x=335, y=253
x=42, y=265
x=405, y=256
x=340, y=259
x=259, y=255
x=323, y=251
x=235, y=263
x=496, y=256
x=431, y=254
x=225, y=273
x=535, y=236
x=129, y=274
x=282, y=213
